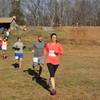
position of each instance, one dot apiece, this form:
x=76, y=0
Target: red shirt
x=0, y=42
x=54, y=50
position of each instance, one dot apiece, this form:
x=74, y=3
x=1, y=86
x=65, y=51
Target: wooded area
x=53, y=12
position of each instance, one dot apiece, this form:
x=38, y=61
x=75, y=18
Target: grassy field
x=78, y=77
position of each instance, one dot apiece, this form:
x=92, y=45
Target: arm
x=24, y=46
x=7, y=43
x=32, y=48
x=45, y=50
x=33, y=51
x=60, y=50
x=15, y=47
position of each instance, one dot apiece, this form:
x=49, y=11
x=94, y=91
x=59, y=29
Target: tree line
x=53, y=12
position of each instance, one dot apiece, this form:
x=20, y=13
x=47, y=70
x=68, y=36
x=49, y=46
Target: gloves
x=16, y=48
x=24, y=47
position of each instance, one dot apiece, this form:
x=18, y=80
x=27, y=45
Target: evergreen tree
x=17, y=11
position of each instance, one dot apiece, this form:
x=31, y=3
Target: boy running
x=18, y=47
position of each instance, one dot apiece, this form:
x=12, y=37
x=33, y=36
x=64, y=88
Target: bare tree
x=57, y=12
x=5, y=8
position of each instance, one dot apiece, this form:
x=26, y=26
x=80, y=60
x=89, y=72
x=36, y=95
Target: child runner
x=54, y=49
x=8, y=33
x=18, y=47
x=4, y=48
x=38, y=59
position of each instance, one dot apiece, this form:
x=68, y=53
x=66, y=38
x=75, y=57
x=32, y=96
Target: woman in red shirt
x=54, y=49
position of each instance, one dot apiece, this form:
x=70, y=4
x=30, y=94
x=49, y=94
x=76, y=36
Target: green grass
x=77, y=78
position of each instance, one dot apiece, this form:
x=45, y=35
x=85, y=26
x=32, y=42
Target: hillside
x=78, y=76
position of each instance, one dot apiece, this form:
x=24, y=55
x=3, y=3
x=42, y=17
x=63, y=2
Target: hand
x=32, y=51
x=56, y=53
x=24, y=47
x=17, y=49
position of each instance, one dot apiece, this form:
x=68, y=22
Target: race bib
x=51, y=53
x=35, y=59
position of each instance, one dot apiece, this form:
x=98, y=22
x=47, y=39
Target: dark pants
x=52, y=69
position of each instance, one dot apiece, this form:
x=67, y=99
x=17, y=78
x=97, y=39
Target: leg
x=17, y=63
x=35, y=63
x=41, y=63
x=40, y=69
x=16, y=60
x=4, y=54
x=20, y=62
x=21, y=56
x=35, y=66
x=52, y=76
x=52, y=70
x=52, y=80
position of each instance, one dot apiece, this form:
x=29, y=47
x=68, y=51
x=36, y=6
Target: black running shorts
x=52, y=69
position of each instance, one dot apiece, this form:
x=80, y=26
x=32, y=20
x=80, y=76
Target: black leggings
x=52, y=69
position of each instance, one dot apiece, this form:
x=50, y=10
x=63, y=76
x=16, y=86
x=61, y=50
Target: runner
x=18, y=47
x=0, y=42
x=8, y=33
x=4, y=48
x=38, y=59
x=54, y=49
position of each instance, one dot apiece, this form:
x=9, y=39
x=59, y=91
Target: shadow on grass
x=40, y=80
x=15, y=65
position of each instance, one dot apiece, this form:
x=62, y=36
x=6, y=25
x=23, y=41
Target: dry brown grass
x=82, y=35
x=78, y=77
